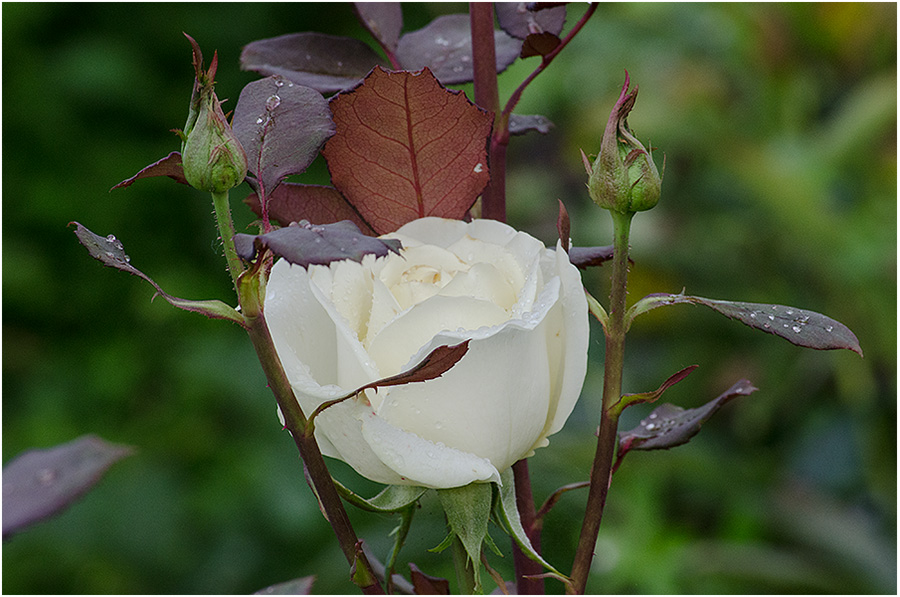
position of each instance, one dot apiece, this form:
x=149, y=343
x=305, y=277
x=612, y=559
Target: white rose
x=339, y=327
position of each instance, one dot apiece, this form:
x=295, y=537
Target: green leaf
x=798, y=326
x=630, y=399
x=392, y=498
x=109, y=251
x=507, y=513
x=468, y=510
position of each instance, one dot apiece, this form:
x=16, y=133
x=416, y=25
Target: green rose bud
x=623, y=178
x=212, y=157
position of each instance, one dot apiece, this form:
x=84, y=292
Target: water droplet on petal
x=828, y=328
x=796, y=328
x=273, y=102
x=111, y=238
x=259, y=120
x=279, y=82
x=771, y=318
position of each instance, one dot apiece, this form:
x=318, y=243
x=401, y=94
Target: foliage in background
x=779, y=127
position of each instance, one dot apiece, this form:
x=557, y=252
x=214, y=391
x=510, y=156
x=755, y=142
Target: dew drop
x=650, y=426
x=259, y=120
x=789, y=312
x=771, y=318
x=828, y=328
x=127, y=259
x=653, y=415
x=766, y=325
x=753, y=315
x=273, y=102
x=457, y=69
x=441, y=41
x=279, y=82
x=796, y=328
x=111, y=238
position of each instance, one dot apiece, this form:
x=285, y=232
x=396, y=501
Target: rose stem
x=294, y=419
x=484, y=65
x=612, y=390
x=487, y=95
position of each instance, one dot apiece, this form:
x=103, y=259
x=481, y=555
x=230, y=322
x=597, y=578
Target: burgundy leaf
x=445, y=47
x=298, y=586
x=516, y=19
x=282, y=126
x=562, y=226
x=305, y=244
x=438, y=362
x=292, y=202
x=798, y=326
x=327, y=63
x=428, y=585
x=168, y=166
x=435, y=364
x=384, y=20
x=519, y=124
x=40, y=483
x=668, y=425
x=585, y=257
x=406, y=148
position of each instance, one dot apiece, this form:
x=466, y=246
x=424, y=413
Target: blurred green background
x=778, y=127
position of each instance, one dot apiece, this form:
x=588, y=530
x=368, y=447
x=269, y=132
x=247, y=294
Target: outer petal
x=422, y=462
x=568, y=336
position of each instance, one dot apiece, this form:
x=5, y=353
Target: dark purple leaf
x=292, y=202
x=109, y=251
x=168, y=166
x=445, y=47
x=305, y=244
x=585, y=257
x=384, y=20
x=516, y=19
x=282, y=126
x=668, y=425
x=563, y=226
x=40, y=483
x=327, y=63
x=798, y=326
x=428, y=585
x=539, y=44
x=519, y=124
x=298, y=586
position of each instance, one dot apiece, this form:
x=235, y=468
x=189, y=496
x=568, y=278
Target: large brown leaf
x=406, y=148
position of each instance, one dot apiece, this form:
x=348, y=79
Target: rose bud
x=212, y=157
x=623, y=178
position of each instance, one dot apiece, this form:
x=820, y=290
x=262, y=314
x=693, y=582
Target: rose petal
x=568, y=337
x=402, y=338
x=422, y=462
